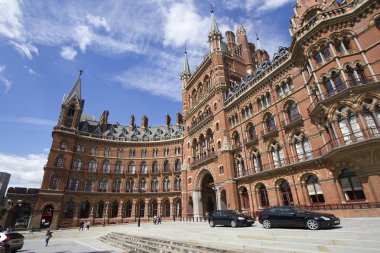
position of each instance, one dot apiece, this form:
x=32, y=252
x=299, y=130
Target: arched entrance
x=21, y=216
x=47, y=216
x=208, y=197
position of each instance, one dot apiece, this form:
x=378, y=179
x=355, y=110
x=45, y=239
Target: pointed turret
x=76, y=91
x=72, y=105
x=185, y=74
x=214, y=37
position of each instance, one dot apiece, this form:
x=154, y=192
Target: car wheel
x=267, y=224
x=233, y=223
x=211, y=223
x=312, y=224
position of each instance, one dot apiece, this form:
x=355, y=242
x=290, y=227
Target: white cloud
x=83, y=36
x=3, y=79
x=258, y=5
x=26, y=171
x=98, y=22
x=10, y=19
x=31, y=71
x=29, y=121
x=68, y=53
x=184, y=25
x=25, y=48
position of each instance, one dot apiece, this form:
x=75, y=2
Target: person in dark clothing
x=81, y=225
x=49, y=235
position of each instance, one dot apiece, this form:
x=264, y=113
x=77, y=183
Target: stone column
x=197, y=205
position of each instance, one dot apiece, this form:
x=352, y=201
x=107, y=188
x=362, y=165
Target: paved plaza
x=355, y=235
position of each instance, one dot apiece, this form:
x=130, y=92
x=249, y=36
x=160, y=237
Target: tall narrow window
x=77, y=164
x=263, y=196
x=88, y=185
x=143, y=168
x=92, y=166
x=131, y=168
x=351, y=185
x=257, y=162
x=106, y=167
x=314, y=189
x=54, y=183
x=286, y=194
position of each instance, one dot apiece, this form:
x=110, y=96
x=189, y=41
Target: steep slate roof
x=119, y=131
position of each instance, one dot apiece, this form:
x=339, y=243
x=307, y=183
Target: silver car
x=11, y=240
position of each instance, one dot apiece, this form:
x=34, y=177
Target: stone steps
x=292, y=241
x=133, y=243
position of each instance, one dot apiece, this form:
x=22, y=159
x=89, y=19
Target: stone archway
x=204, y=195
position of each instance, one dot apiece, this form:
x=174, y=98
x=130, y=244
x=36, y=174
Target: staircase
x=133, y=243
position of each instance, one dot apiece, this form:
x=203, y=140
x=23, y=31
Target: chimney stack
x=144, y=123
x=103, y=121
x=167, y=120
x=132, y=124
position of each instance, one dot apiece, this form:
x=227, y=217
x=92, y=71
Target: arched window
x=129, y=186
x=88, y=185
x=349, y=125
x=114, y=209
x=328, y=86
x=270, y=123
x=326, y=52
x=140, y=207
x=128, y=209
x=351, y=185
x=292, y=112
x=244, y=199
x=106, y=167
x=264, y=201
x=155, y=167
x=177, y=165
x=154, y=208
x=143, y=169
x=107, y=152
x=142, y=184
x=54, y=183
x=63, y=145
x=84, y=210
x=178, y=183
x=166, y=208
x=302, y=146
x=339, y=85
x=116, y=185
x=100, y=209
x=73, y=184
x=154, y=185
x=103, y=185
x=251, y=131
x=69, y=210
x=166, y=166
x=132, y=168
x=178, y=208
x=77, y=164
x=286, y=194
x=372, y=117
x=314, y=189
x=277, y=154
x=257, y=161
x=119, y=168
x=92, y=166
x=59, y=161
x=360, y=71
x=166, y=184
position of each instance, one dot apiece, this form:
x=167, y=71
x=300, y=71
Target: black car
x=230, y=218
x=285, y=216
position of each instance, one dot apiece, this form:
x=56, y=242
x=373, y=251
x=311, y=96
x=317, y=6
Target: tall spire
x=76, y=91
x=186, y=68
x=214, y=25
x=258, y=41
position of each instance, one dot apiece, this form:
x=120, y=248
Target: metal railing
x=340, y=88
x=196, y=161
x=344, y=141
x=200, y=120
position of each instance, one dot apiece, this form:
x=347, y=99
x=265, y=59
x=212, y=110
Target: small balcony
x=293, y=121
x=251, y=140
x=343, y=88
x=236, y=146
x=270, y=132
x=200, y=121
x=204, y=159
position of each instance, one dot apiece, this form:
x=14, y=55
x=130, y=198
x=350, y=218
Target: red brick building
x=300, y=129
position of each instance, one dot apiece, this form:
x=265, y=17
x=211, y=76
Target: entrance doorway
x=47, y=216
x=208, y=196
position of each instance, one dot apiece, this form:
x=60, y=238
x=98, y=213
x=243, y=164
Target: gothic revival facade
x=302, y=128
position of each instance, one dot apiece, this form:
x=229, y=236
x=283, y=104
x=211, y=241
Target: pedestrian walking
x=159, y=219
x=49, y=235
x=88, y=225
x=81, y=225
x=155, y=220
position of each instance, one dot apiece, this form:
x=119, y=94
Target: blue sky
x=131, y=53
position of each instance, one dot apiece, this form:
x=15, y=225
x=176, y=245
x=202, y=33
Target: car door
x=290, y=217
x=224, y=218
x=274, y=216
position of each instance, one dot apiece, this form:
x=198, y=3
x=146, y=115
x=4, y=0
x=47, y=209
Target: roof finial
x=212, y=11
x=80, y=72
x=214, y=25
x=258, y=41
x=186, y=68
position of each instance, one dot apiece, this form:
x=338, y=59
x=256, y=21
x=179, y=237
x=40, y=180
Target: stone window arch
x=88, y=185
x=277, y=154
x=371, y=112
x=244, y=198
x=166, y=184
x=263, y=196
x=349, y=125
x=351, y=185
x=54, y=182
x=154, y=167
x=106, y=166
x=154, y=185
x=129, y=185
x=92, y=166
x=59, y=161
x=314, y=190
x=270, y=123
x=302, y=146
x=68, y=212
x=257, y=161
x=114, y=209
x=177, y=183
x=119, y=167
x=131, y=168
x=285, y=193
x=292, y=111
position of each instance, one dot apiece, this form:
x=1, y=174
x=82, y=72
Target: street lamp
x=140, y=190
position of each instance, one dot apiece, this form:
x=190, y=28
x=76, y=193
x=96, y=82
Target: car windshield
x=233, y=212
